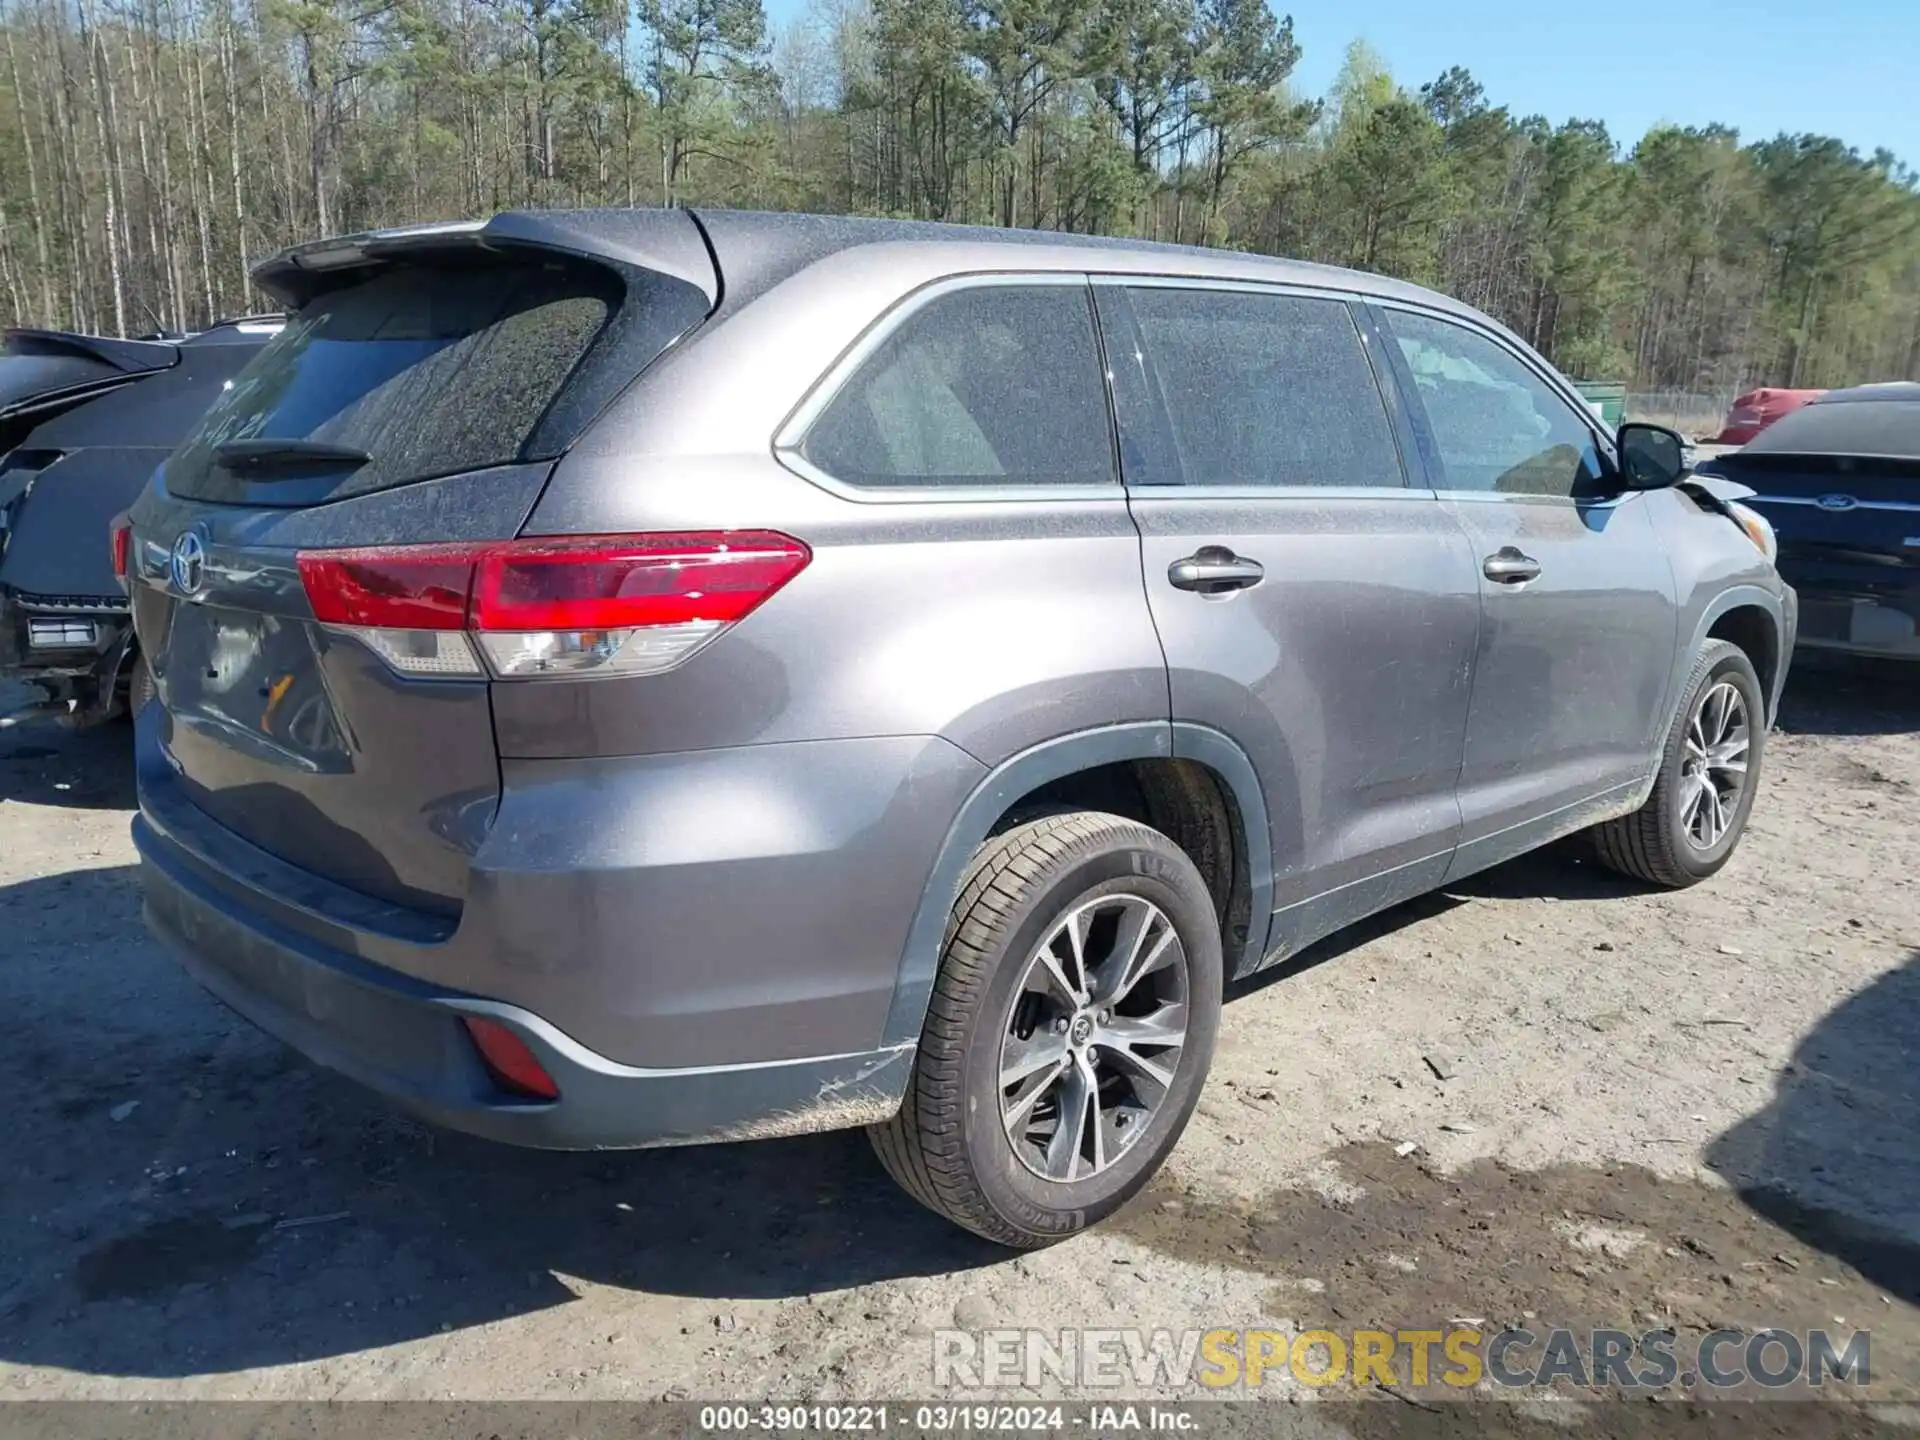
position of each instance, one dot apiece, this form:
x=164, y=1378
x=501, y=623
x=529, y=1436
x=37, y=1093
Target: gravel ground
x=1627, y=1108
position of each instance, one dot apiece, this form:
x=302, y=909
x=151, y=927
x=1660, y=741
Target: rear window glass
x=429, y=372
x=990, y=385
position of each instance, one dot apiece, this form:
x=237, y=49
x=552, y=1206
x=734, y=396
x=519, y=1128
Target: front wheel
x=1071, y=1027
x=1709, y=771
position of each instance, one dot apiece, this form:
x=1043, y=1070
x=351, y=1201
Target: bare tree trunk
x=199, y=165
x=102, y=103
x=626, y=100
x=9, y=267
x=319, y=127
x=45, y=266
x=157, y=208
x=228, y=22
x=73, y=216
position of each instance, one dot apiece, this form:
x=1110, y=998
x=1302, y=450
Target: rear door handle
x=1215, y=570
x=1507, y=566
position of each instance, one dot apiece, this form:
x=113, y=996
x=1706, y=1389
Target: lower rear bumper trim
x=402, y=1038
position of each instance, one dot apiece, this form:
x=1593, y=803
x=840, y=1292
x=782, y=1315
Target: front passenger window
x=1497, y=425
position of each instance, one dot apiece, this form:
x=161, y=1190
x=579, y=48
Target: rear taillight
x=602, y=605
x=509, y=1058
x=120, y=538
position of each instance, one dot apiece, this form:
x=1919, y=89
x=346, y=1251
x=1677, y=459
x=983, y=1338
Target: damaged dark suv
x=84, y=419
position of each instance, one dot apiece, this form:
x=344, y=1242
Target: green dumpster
x=1607, y=398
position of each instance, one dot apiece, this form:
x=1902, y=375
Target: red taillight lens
x=412, y=587
x=601, y=604
x=120, y=537
x=508, y=1058
x=632, y=581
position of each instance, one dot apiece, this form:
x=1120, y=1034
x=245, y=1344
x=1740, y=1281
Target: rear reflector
x=120, y=538
x=601, y=604
x=508, y=1058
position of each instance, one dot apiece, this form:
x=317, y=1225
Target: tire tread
x=1640, y=845
x=923, y=1147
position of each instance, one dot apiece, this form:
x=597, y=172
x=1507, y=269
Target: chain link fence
x=1694, y=413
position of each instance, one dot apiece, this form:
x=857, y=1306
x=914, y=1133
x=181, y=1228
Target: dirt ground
x=1690, y=1110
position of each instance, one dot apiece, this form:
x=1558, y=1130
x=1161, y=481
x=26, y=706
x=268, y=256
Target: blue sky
x=1849, y=68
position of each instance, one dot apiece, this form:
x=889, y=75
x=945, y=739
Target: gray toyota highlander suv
x=638, y=677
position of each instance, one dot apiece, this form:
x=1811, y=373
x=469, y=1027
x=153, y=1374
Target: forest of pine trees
x=151, y=150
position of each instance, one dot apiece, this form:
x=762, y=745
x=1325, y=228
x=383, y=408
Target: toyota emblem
x=188, y=563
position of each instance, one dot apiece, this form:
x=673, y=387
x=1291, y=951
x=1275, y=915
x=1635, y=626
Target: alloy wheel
x=1713, y=771
x=1094, y=1036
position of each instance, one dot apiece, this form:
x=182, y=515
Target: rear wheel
x=1071, y=1028
x=1709, y=771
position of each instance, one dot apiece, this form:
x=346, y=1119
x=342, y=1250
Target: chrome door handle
x=1507, y=566
x=1215, y=570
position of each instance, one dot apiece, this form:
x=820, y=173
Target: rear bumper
x=402, y=1037
x=702, y=946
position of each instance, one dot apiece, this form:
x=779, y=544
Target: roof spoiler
x=666, y=241
x=130, y=357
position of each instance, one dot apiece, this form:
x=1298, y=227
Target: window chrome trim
x=1121, y=281
x=1612, y=500
x=792, y=433
x=1281, y=492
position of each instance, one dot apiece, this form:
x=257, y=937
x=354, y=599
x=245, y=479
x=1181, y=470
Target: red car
x=1756, y=410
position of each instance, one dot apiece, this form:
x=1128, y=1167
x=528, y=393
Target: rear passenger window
x=1265, y=389
x=989, y=385
x=429, y=371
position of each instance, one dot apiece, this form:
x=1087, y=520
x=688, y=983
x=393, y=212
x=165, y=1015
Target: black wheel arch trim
x=1781, y=609
x=1055, y=760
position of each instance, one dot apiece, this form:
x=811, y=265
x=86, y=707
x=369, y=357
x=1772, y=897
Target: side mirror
x=1652, y=457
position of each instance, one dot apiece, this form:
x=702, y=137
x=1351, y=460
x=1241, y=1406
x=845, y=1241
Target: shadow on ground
x=1840, y=695
x=42, y=762
x=1835, y=1158
x=183, y=1196
x=186, y=1196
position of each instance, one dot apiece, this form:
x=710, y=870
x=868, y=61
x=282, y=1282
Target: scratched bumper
x=403, y=1038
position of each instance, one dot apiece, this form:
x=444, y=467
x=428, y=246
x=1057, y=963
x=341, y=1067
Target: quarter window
x=1265, y=389
x=989, y=385
x=1497, y=426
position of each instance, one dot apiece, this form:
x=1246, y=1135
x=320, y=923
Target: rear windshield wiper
x=304, y=456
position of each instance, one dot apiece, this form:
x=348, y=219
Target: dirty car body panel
x=707, y=893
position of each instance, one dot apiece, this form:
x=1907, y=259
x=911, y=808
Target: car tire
x=1681, y=835
x=1086, y=882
